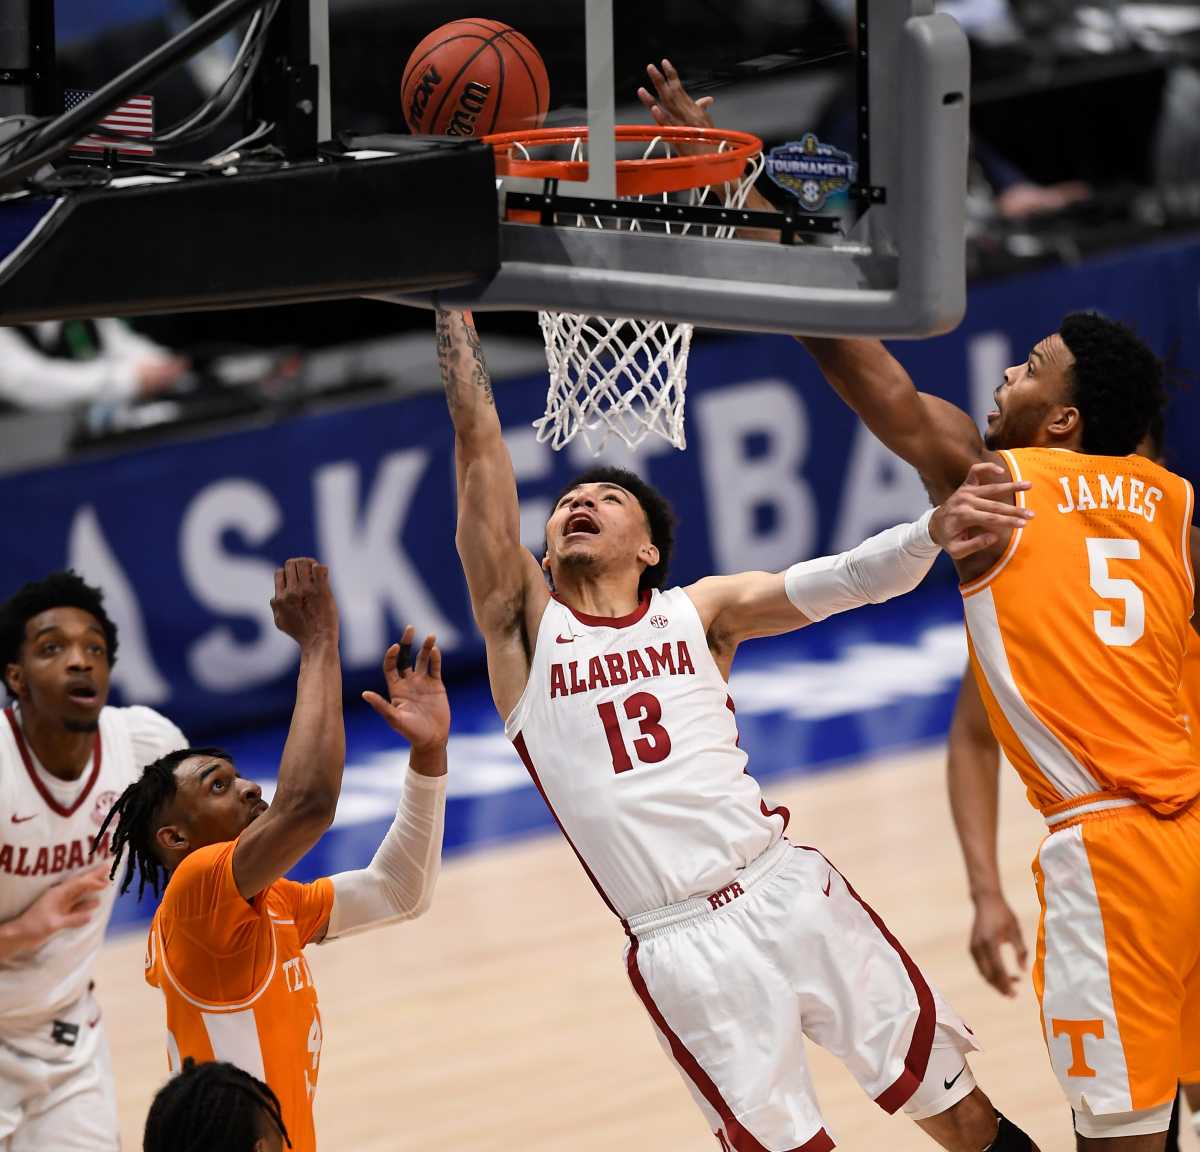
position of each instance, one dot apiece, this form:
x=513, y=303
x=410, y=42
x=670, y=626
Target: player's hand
x=416, y=704
x=977, y=515
x=68, y=904
x=671, y=106
x=156, y=375
x=996, y=925
x=303, y=603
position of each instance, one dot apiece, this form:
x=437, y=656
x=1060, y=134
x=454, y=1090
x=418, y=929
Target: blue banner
x=183, y=537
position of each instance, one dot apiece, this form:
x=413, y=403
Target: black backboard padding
x=422, y=219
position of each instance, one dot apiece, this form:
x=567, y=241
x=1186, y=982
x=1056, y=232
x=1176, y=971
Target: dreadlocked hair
x=211, y=1107
x=137, y=810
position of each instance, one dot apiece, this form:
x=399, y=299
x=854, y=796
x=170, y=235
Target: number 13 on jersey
x=652, y=745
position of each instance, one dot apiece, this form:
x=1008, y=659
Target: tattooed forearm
x=463, y=369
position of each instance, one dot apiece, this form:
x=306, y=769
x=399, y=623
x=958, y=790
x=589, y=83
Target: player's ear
x=648, y=554
x=1065, y=423
x=14, y=676
x=170, y=838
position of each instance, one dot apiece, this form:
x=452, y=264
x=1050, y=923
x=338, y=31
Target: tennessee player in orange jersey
x=1078, y=625
x=973, y=774
x=226, y=944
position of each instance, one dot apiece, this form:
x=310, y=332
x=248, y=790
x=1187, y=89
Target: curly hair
x=1117, y=383
x=66, y=589
x=660, y=517
x=137, y=810
x=211, y=1107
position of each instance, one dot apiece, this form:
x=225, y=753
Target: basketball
x=474, y=77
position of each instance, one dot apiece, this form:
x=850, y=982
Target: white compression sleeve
x=398, y=883
x=887, y=565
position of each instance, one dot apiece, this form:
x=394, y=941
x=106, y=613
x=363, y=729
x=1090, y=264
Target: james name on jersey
x=1078, y=497
x=620, y=668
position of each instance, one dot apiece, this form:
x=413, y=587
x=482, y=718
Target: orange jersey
x=235, y=981
x=1078, y=632
x=1191, y=689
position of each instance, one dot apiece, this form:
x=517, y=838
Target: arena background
x=340, y=447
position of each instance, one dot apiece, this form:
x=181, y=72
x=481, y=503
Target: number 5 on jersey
x=654, y=742
x=1100, y=552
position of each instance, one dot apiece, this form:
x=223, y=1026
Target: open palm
x=416, y=704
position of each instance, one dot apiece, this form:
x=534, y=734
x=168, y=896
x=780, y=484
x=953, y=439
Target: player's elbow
x=312, y=807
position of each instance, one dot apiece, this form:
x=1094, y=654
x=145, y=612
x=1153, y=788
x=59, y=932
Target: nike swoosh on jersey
x=565, y=640
x=21, y=819
x=828, y=884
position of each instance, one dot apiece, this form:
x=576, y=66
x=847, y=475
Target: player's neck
x=609, y=597
x=64, y=754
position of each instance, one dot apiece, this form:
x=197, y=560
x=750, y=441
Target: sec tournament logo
x=811, y=171
x=103, y=803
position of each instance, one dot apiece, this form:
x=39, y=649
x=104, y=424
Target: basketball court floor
x=504, y=1019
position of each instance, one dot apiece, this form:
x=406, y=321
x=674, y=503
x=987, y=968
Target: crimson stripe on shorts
x=523, y=752
x=740, y=1138
x=916, y=1061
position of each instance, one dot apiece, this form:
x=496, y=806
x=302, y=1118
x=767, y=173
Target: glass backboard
x=862, y=111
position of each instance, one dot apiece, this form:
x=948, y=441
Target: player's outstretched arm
x=938, y=439
x=973, y=782
x=972, y=519
x=310, y=769
x=508, y=591
x=398, y=883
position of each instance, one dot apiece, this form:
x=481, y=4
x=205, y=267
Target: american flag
x=133, y=118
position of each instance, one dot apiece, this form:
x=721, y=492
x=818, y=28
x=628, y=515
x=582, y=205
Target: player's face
x=213, y=803
x=63, y=671
x=1031, y=396
x=597, y=525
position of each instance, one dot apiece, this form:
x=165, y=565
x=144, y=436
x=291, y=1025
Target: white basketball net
x=626, y=377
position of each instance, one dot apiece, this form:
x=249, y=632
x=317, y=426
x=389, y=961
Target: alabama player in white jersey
x=614, y=694
x=64, y=758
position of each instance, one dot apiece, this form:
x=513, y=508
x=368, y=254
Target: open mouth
x=580, y=523
x=84, y=695
x=258, y=810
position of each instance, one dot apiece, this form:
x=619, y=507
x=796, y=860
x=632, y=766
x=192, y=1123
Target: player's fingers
x=404, y=659
x=1000, y=488
x=290, y=573
x=985, y=472
x=75, y=919
x=435, y=663
x=985, y=961
x=391, y=674
x=93, y=879
x=379, y=704
x=646, y=98
x=705, y=102
x=669, y=71
x=279, y=585
x=422, y=664
x=963, y=546
x=1017, y=939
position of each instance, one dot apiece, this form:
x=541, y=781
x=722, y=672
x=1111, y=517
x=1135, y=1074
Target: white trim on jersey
x=1190, y=501
x=234, y=1037
x=1075, y=968
x=981, y=582
x=1054, y=760
x=208, y=1006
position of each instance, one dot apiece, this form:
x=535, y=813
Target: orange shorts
x=1117, y=970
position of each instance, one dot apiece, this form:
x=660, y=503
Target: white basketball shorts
x=63, y=1097
x=734, y=981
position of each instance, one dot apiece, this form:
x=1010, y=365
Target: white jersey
x=627, y=728
x=47, y=828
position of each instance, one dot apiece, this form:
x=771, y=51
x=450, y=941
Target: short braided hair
x=211, y=1107
x=136, y=812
